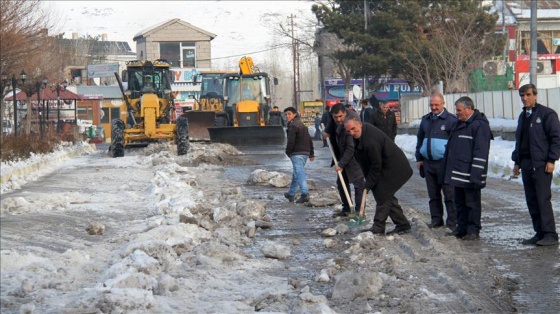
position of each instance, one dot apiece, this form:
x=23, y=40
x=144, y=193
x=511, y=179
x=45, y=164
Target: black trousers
x=358, y=191
x=538, y=194
x=389, y=208
x=469, y=209
x=432, y=171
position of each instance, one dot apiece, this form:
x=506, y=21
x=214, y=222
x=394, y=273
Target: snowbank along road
x=211, y=232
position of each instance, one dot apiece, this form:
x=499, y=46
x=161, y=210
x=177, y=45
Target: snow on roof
x=546, y=9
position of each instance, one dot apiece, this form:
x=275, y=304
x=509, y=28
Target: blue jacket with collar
x=436, y=133
x=466, y=156
x=544, y=136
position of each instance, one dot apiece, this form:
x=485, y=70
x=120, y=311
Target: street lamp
x=40, y=107
x=14, y=82
x=58, y=88
x=3, y=83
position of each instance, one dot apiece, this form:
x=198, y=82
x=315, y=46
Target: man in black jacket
x=299, y=148
x=325, y=120
x=386, y=170
x=537, y=147
x=385, y=120
x=366, y=114
x=466, y=166
x=347, y=164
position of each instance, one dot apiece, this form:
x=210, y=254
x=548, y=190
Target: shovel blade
x=357, y=221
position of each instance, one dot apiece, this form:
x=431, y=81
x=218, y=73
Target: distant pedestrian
x=385, y=168
x=374, y=102
x=537, y=148
x=325, y=119
x=275, y=117
x=299, y=149
x=317, y=126
x=466, y=166
x=432, y=137
x=366, y=114
x=385, y=120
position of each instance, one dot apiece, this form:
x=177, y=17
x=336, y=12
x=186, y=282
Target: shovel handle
x=348, y=198
x=363, y=205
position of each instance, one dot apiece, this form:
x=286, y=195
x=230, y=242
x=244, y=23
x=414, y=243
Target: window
x=170, y=52
x=85, y=113
x=546, y=43
x=179, y=54
x=109, y=114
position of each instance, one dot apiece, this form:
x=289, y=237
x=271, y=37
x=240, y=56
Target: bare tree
x=299, y=35
x=24, y=27
x=446, y=51
x=20, y=26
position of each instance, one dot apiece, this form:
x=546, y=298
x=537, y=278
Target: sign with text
x=185, y=75
x=102, y=70
x=390, y=90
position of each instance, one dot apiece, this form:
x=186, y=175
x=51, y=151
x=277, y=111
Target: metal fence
x=496, y=104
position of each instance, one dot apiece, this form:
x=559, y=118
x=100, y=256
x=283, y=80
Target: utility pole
x=504, y=29
x=533, y=71
x=365, y=82
x=294, y=61
x=298, y=94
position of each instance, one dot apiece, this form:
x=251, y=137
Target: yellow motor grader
x=147, y=109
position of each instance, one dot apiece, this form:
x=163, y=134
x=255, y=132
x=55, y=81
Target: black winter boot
x=304, y=198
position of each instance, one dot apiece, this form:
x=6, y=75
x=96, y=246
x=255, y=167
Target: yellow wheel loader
x=147, y=109
x=208, y=104
x=246, y=118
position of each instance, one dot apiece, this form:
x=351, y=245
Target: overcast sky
x=242, y=27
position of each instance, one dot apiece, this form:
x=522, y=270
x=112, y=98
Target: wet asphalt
x=505, y=222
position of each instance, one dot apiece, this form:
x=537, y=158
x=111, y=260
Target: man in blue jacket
x=466, y=166
x=299, y=149
x=432, y=137
x=537, y=147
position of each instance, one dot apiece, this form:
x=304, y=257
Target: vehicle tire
x=221, y=119
x=117, y=138
x=182, y=133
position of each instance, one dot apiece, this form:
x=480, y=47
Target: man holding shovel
x=386, y=170
x=343, y=157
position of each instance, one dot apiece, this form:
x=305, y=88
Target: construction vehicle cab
x=247, y=103
x=247, y=98
x=209, y=103
x=147, y=108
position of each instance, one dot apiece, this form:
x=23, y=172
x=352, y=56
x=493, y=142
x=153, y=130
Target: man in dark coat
x=366, y=114
x=347, y=164
x=299, y=149
x=537, y=147
x=325, y=119
x=374, y=102
x=466, y=166
x=386, y=170
x=385, y=120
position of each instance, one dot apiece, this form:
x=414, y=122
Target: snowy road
x=149, y=260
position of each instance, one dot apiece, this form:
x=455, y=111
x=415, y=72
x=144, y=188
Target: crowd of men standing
x=451, y=155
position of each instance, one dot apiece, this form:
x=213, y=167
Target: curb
x=5, y=178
